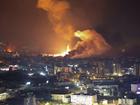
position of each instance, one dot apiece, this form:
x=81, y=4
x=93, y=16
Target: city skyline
x=69, y=52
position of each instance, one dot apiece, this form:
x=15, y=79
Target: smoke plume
x=91, y=44
x=57, y=13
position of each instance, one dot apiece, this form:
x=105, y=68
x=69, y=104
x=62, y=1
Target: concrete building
x=135, y=88
x=117, y=69
x=64, y=98
x=137, y=68
x=83, y=99
x=4, y=96
x=126, y=101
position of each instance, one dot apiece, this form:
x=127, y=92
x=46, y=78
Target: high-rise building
x=117, y=69
x=99, y=68
x=137, y=68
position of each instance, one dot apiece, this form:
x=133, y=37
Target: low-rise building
x=83, y=99
x=64, y=98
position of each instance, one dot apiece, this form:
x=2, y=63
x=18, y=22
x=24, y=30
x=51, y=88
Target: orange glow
x=67, y=51
x=91, y=44
x=63, y=53
x=83, y=35
x=63, y=28
x=9, y=50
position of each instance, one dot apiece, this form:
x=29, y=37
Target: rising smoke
x=91, y=43
x=57, y=13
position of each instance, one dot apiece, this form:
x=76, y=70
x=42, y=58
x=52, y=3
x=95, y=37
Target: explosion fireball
x=91, y=43
x=63, y=53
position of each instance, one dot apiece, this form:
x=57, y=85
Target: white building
x=4, y=96
x=83, y=99
x=135, y=88
x=64, y=98
x=126, y=101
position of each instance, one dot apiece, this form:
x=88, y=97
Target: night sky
x=22, y=24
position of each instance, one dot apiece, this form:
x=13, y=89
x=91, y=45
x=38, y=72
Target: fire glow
x=63, y=53
x=90, y=42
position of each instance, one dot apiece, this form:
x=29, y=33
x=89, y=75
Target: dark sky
x=22, y=24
